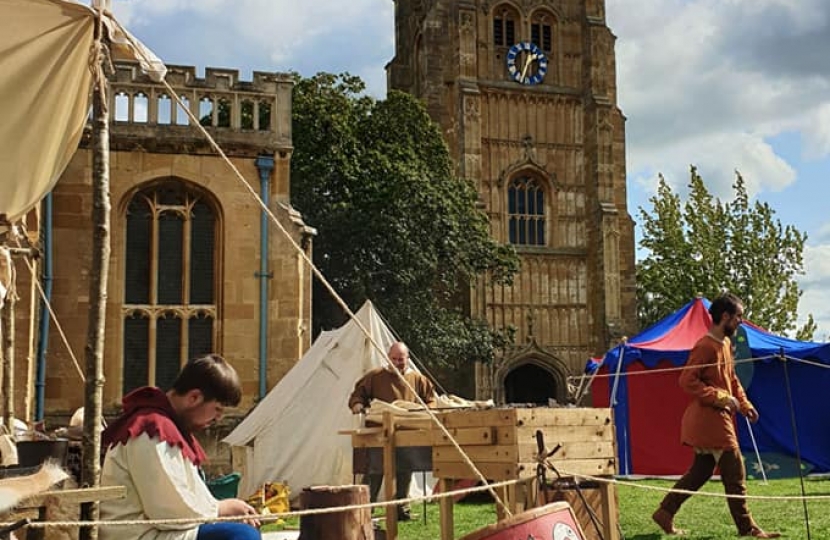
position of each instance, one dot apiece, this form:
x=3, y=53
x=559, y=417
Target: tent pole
x=795, y=440
x=613, y=400
x=613, y=403
x=755, y=447
x=99, y=276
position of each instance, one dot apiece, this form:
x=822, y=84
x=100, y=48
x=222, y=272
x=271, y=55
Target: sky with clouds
x=725, y=85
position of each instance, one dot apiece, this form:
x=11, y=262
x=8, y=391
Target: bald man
x=386, y=385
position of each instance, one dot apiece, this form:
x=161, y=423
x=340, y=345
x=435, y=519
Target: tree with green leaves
x=705, y=247
x=395, y=225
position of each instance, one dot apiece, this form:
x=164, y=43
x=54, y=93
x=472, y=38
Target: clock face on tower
x=526, y=63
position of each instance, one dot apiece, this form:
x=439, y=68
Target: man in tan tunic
x=708, y=424
x=386, y=385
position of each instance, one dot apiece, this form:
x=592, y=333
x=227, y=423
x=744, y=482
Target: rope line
x=272, y=516
x=684, y=367
x=54, y=316
x=317, y=273
x=628, y=483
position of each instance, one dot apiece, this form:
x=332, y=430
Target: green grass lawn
x=703, y=517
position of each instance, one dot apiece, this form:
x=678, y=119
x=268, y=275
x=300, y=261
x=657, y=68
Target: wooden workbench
x=502, y=445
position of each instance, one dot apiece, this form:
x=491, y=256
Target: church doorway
x=530, y=383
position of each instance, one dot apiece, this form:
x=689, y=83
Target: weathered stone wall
x=574, y=295
x=150, y=141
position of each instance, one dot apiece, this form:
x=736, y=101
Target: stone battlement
x=245, y=117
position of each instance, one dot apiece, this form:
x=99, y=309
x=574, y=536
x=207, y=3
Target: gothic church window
x=170, y=299
x=526, y=212
x=541, y=32
x=504, y=26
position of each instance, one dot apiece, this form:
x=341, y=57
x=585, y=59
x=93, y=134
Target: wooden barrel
x=344, y=525
x=554, y=521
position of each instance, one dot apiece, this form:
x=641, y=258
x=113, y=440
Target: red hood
x=147, y=410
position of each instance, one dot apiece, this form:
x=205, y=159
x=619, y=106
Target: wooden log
x=344, y=525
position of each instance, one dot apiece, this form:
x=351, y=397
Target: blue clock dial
x=526, y=63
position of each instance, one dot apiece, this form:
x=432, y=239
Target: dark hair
x=213, y=376
x=726, y=303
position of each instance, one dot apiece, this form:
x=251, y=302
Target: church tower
x=525, y=93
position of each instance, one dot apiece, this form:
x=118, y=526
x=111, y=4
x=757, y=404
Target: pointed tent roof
x=291, y=434
x=672, y=337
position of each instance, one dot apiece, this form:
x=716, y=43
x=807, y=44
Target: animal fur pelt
x=14, y=490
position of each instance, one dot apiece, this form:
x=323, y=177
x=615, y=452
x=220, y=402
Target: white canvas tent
x=291, y=436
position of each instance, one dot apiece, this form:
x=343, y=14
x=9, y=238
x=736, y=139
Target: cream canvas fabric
x=45, y=54
x=291, y=436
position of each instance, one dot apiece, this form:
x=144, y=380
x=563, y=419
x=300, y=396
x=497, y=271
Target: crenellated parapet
x=245, y=117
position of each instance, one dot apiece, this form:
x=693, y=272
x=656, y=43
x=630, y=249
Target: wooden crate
x=502, y=442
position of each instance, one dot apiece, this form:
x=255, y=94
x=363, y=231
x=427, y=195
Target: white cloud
x=816, y=287
x=695, y=93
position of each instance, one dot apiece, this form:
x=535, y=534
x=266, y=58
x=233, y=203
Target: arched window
x=504, y=26
x=541, y=30
x=170, y=300
x=526, y=212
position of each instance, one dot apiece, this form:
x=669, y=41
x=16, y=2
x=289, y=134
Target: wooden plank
x=509, y=471
x=74, y=496
x=374, y=439
x=553, y=435
x=461, y=470
x=479, y=454
x=413, y=437
x=562, y=416
x=569, y=451
x=489, y=417
x=465, y=436
x=589, y=467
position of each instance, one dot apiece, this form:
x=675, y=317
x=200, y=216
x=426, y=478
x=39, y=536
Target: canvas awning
x=46, y=50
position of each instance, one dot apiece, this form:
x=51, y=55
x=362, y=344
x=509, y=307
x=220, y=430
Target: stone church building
x=190, y=271
x=525, y=92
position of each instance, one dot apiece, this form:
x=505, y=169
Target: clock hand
x=528, y=59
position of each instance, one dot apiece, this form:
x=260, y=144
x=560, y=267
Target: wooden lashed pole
x=99, y=276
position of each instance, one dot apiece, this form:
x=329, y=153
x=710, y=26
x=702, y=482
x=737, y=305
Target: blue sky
x=738, y=85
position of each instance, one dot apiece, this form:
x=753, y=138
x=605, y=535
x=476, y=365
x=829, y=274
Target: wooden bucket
x=344, y=525
x=555, y=521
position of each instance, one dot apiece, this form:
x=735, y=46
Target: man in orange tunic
x=708, y=424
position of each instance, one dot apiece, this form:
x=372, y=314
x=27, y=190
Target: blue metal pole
x=43, y=334
x=265, y=165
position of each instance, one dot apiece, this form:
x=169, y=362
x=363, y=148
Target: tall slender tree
x=706, y=246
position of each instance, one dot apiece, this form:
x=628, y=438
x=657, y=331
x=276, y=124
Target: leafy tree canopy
x=395, y=225
x=705, y=247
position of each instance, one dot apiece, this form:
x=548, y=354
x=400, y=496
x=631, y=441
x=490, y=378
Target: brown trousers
x=732, y=475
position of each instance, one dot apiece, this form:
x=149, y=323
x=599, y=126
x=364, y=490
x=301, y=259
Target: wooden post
x=344, y=525
x=390, y=470
x=445, y=506
x=8, y=360
x=98, y=278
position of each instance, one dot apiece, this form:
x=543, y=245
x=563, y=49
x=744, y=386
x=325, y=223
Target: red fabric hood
x=147, y=410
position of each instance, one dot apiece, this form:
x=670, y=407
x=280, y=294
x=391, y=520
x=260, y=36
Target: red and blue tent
x=648, y=404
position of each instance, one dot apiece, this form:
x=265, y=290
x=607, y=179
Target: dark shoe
x=666, y=522
x=756, y=532
x=404, y=514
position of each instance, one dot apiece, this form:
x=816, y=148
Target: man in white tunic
x=151, y=450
